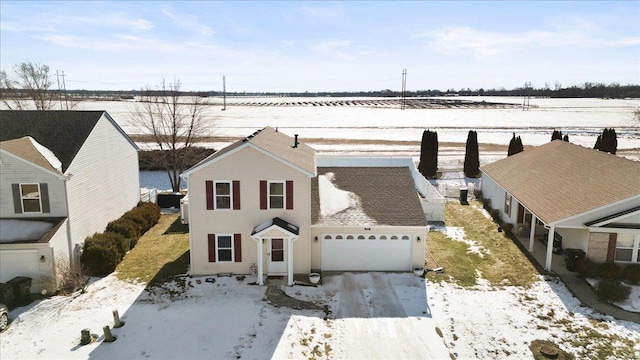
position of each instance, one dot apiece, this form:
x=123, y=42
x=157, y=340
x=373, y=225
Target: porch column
x=290, y=261
x=547, y=265
x=532, y=233
x=260, y=264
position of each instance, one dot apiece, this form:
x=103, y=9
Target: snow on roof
x=337, y=206
x=47, y=154
x=12, y=230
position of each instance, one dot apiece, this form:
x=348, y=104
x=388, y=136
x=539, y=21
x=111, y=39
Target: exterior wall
x=598, y=245
x=496, y=194
x=249, y=166
x=417, y=248
x=574, y=238
x=104, y=182
x=12, y=171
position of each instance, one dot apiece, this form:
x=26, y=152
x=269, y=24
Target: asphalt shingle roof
x=558, y=180
x=25, y=149
x=62, y=132
x=386, y=196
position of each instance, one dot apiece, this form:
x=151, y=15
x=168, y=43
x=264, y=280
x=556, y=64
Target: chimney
x=295, y=141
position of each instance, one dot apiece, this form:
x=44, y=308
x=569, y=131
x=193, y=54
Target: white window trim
x=508, y=203
x=218, y=248
x=634, y=251
x=215, y=194
x=284, y=194
x=22, y=198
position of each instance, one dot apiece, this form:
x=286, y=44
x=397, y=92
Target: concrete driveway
x=383, y=316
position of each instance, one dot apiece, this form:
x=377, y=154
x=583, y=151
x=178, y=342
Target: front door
x=276, y=257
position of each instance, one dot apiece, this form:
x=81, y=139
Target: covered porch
x=274, y=239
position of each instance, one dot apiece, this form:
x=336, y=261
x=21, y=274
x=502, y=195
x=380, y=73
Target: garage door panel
x=19, y=263
x=370, y=252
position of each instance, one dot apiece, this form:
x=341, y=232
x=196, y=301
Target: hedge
x=612, y=290
x=102, y=253
x=632, y=273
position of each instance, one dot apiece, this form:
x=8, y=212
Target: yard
x=488, y=303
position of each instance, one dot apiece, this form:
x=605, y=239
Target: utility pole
x=526, y=95
x=224, y=93
x=404, y=89
x=62, y=91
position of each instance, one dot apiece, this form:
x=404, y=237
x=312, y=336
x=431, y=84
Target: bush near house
x=102, y=252
x=612, y=290
x=588, y=268
x=610, y=271
x=632, y=273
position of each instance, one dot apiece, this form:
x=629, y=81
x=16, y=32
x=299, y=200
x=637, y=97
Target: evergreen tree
x=557, y=135
x=566, y=138
x=472, y=156
x=515, y=145
x=428, y=165
x=607, y=142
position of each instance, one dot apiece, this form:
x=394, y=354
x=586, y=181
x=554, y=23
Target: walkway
x=576, y=284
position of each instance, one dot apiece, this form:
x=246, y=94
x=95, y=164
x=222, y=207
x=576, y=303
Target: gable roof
x=383, y=196
x=283, y=225
x=559, y=180
x=26, y=149
x=272, y=142
x=62, y=132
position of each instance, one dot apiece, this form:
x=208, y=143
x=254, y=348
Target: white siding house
x=73, y=170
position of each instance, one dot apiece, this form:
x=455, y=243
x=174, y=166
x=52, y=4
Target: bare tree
x=31, y=87
x=175, y=122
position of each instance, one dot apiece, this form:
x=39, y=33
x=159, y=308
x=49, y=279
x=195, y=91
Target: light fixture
x=418, y=239
x=42, y=258
x=315, y=239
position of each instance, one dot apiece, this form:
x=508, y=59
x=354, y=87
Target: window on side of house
x=627, y=248
x=222, y=194
x=507, y=204
x=30, y=198
x=276, y=194
x=224, y=248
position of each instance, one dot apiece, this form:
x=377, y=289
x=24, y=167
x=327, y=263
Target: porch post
x=260, y=265
x=290, y=261
x=547, y=265
x=532, y=233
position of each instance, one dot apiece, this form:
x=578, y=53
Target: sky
x=297, y=46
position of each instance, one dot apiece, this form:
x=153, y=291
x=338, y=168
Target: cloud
x=487, y=44
x=187, y=22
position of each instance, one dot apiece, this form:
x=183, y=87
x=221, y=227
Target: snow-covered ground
x=373, y=316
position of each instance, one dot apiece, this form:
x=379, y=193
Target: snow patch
x=17, y=230
x=332, y=199
x=458, y=234
x=47, y=154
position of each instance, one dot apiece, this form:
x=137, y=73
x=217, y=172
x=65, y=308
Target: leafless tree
x=31, y=87
x=175, y=122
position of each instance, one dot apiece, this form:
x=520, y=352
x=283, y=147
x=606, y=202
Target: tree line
x=428, y=164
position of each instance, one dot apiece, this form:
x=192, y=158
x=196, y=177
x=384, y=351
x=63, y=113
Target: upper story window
x=223, y=195
x=276, y=195
x=30, y=198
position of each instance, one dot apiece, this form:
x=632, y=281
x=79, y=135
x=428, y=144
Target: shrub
x=486, y=204
x=632, y=273
x=102, y=253
x=612, y=290
x=610, y=271
x=588, y=268
x=508, y=228
x=125, y=227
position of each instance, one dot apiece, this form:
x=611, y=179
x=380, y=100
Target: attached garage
x=366, y=252
x=20, y=263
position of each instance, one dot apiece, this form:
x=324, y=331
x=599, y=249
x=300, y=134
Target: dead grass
x=503, y=262
x=156, y=255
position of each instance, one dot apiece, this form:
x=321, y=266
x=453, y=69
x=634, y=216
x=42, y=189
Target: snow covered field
x=374, y=316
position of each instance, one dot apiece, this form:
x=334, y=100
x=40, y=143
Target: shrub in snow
x=588, y=268
x=102, y=253
x=632, y=273
x=612, y=290
x=610, y=271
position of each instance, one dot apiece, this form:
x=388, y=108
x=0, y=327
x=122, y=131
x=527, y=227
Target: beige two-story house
x=263, y=203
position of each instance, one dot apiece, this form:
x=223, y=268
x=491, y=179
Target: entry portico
x=279, y=236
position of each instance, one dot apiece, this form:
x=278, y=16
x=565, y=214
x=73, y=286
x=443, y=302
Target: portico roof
x=276, y=223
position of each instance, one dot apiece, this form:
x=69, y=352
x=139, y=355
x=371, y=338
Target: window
x=627, y=248
x=349, y=237
x=276, y=195
x=507, y=204
x=372, y=237
x=223, y=195
x=224, y=246
x=30, y=196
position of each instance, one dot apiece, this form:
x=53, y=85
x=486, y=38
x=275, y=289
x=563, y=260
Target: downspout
x=552, y=230
x=72, y=264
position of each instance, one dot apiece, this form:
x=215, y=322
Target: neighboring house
x=63, y=176
x=264, y=202
x=579, y=197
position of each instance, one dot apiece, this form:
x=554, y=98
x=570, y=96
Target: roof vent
x=295, y=141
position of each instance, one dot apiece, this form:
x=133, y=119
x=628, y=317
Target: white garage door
x=20, y=263
x=366, y=252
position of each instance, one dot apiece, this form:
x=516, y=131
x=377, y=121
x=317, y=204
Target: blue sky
x=325, y=46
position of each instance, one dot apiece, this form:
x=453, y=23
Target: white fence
x=149, y=195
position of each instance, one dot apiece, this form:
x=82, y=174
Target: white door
x=366, y=252
x=20, y=263
x=276, y=255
